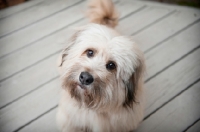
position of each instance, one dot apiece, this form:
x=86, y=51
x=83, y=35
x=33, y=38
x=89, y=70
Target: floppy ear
x=61, y=59
x=134, y=84
x=65, y=52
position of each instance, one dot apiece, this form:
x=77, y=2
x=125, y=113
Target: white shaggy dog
x=102, y=77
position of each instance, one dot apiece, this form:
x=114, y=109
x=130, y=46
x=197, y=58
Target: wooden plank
x=166, y=28
x=23, y=38
x=33, y=15
x=27, y=81
x=133, y=24
x=40, y=30
x=171, y=81
x=194, y=128
x=45, y=27
x=38, y=102
x=177, y=47
x=177, y=114
x=43, y=124
x=130, y=9
x=44, y=71
x=50, y=47
x=18, y=8
x=163, y=5
x=27, y=59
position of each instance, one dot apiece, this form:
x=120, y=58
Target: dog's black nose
x=86, y=78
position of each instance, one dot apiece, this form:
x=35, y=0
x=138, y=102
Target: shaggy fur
x=113, y=102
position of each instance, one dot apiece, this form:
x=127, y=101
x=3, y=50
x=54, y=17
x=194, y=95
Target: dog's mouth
x=80, y=85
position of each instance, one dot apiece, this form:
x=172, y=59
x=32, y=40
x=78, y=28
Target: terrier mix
x=102, y=77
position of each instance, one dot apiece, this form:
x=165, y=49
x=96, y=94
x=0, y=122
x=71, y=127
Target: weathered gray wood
x=28, y=80
x=7, y=12
x=173, y=49
x=43, y=124
x=30, y=34
x=177, y=114
x=162, y=5
x=29, y=107
x=171, y=81
x=35, y=14
x=44, y=28
x=195, y=127
x=148, y=15
x=166, y=28
x=52, y=44
x=124, y=9
x=41, y=29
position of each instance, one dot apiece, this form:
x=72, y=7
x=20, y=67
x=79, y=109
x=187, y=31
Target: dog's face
x=101, y=69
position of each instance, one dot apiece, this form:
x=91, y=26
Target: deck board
x=195, y=127
x=172, y=49
x=170, y=82
x=40, y=30
x=33, y=33
x=41, y=11
x=146, y=15
x=8, y=12
x=176, y=115
x=169, y=35
x=47, y=120
x=167, y=28
x=29, y=107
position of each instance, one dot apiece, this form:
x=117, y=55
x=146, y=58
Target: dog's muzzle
x=86, y=78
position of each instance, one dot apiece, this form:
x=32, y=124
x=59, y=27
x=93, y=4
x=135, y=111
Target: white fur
x=70, y=117
x=110, y=46
x=113, y=102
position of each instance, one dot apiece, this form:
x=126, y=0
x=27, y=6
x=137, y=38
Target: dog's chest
x=89, y=121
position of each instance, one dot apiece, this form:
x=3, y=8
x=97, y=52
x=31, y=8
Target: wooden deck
x=32, y=35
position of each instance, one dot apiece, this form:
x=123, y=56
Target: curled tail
x=103, y=12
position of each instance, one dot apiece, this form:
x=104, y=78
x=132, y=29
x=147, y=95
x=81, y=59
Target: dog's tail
x=102, y=12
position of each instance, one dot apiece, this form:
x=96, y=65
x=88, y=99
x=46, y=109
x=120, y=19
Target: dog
x=102, y=76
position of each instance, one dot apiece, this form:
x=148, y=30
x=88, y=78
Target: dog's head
x=101, y=69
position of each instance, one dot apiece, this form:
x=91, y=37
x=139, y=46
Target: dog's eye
x=90, y=53
x=110, y=65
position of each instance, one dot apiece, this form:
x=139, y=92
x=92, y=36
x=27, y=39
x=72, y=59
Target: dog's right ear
x=61, y=59
x=65, y=52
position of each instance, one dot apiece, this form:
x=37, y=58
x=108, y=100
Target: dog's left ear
x=134, y=84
